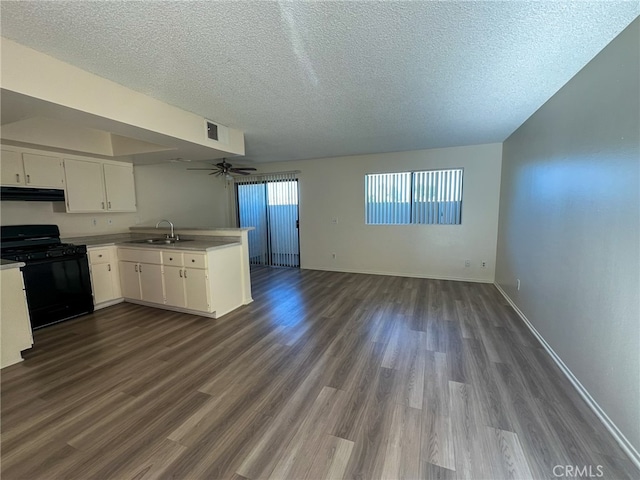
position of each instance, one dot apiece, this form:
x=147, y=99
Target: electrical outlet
x=109, y=221
x=467, y=263
x=94, y=222
x=333, y=256
x=334, y=220
x=483, y=264
x=518, y=283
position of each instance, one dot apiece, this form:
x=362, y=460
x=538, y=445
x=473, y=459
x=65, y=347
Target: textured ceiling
x=319, y=79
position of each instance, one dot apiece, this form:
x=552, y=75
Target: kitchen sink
x=161, y=241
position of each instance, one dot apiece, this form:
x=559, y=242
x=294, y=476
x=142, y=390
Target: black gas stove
x=56, y=274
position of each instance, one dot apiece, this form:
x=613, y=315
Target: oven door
x=57, y=289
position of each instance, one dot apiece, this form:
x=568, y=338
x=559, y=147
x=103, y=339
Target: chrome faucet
x=169, y=237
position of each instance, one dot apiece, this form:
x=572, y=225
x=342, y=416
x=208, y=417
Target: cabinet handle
x=28, y=178
x=185, y=273
x=180, y=273
x=103, y=205
x=140, y=268
x=136, y=267
x=109, y=266
x=18, y=177
x=109, y=203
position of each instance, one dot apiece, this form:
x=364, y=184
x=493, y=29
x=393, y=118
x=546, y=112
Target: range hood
x=31, y=194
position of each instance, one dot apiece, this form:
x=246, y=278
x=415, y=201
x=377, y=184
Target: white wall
x=187, y=198
x=334, y=188
x=570, y=227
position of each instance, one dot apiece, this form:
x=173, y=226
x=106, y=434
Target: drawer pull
x=171, y=259
x=100, y=256
x=193, y=260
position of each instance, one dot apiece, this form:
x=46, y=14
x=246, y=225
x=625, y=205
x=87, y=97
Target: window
x=427, y=197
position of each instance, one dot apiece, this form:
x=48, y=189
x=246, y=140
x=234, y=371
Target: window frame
x=411, y=196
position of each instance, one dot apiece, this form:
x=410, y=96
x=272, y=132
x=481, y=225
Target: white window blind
x=426, y=197
x=269, y=202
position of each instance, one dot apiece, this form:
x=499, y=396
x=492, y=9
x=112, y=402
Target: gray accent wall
x=569, y=227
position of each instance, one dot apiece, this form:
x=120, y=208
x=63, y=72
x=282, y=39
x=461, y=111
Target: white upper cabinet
x=31, y=170
x=97, y=186
x=120, y=187
x=11, y=170
x=85, y=186
x=43, y=171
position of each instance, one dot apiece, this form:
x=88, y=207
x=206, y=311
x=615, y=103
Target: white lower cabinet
x=151, y=287
x=187, y=288
x=196, y=283
x=15, y=326
x=183, y=280
x=130, y=280
x=105, y=281
x=142, y=281
x=174, y=286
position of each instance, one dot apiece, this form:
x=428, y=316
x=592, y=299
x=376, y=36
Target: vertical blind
x=426, y=197
x=270, y=204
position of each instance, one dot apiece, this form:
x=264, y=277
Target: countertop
x=7, y=264
x=195, y=243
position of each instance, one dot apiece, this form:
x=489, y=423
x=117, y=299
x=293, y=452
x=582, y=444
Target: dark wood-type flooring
x=326, y=375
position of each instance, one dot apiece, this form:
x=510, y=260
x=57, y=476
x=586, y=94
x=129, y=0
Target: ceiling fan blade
x=241, y=170
x=201, y=169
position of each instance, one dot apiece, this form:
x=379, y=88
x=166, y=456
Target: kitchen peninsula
x=205, y=273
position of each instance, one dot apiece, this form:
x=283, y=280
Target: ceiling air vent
x=217, y=132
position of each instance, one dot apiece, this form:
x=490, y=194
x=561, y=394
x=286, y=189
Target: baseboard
x=108, y=303
x=172, y=308
x=397, y=274
x=624, y=443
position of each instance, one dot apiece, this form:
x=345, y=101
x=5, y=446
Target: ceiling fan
x=225, y=168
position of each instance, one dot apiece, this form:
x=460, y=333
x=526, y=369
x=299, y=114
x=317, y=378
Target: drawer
x=99, y=255
x=140, y=255
x=172, y=258
x=195, y=260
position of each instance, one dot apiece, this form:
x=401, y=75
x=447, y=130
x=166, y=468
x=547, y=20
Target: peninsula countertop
x=198, y=243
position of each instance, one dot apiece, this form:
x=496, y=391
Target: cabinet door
x=101, y=281
x=42, y=171
x=151, y=283
x=130, y=280
x=85, y=186
x=120, y=187
x=197, y=289
x=14, y=325
x=174, y=286
x=11, y=172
